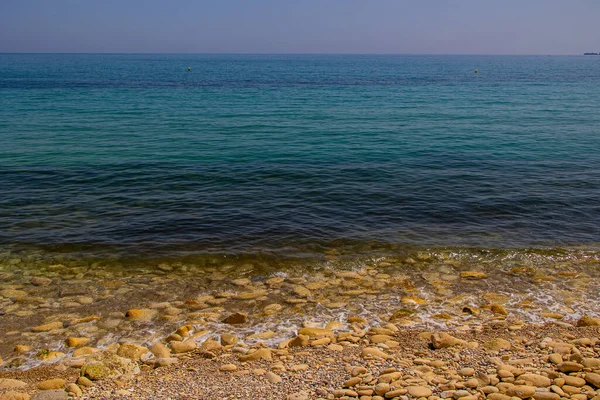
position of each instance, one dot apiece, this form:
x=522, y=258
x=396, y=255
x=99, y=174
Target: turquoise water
x=289, y=154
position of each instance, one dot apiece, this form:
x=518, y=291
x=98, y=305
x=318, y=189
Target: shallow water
x=412, y=288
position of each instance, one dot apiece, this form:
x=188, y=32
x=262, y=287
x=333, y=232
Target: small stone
x=299, y=367
x=441, y=340
x=593, y=379
x=352, y=382
x=498, y=309
x=555, y=358
x=320, y=342
x=77, y=341
x=260, y=354
x=546, y=396
x=51, y=395
x=39, y=281
x=85, y=382
x=466, y=372
x=395, y=393
x=160, y=351
x=144, y=314
x=316, y=332
x=301, y=291
x=14, y=396
x=473, y=275
x=374, y=352
x=52, y=384
x=536, y=380
x=13, y=294
x=227, y=339
x=20, y=348
x=48, y=327
x=521, y=391
x=497, y=344
x=569, y=366
x=588, y=321
x=273, y=377
x=84, y=351
x=165, y=362
x=382, y=388
x=183, y=347
x=299, y=341
x=132, y=351
x=49, y=356
x=593, y=363
x=74, y=389
x=11, y=384
x=236, y=318
x=419, y=391
x=574, y=381
x=228, y=368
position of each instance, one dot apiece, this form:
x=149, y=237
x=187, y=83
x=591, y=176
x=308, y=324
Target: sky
x=301, y=26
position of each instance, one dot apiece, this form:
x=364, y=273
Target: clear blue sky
x=301, y=26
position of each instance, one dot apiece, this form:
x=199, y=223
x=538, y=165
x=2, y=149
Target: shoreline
x=124, y=320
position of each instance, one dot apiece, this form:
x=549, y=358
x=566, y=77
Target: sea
x=170, y=154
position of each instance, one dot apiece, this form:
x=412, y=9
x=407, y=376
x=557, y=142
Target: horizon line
x=291, y=54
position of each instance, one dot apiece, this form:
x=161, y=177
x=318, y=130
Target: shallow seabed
x=450, y=288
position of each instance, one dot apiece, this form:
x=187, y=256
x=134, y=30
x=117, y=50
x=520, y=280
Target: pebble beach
x=424, y=325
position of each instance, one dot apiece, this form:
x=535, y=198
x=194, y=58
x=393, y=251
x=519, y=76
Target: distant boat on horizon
x=591, y=54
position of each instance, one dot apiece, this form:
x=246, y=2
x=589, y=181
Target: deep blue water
x=252, y=153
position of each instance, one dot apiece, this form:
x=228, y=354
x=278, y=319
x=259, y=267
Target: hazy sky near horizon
x=302, y=26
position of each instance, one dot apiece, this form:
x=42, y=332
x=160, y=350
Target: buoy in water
x=476, y=71
x=189, y=68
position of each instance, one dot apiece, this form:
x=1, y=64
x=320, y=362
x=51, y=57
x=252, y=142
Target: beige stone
x=441, y=340
x=11, y=384
x=84, y=351
x=521, y=391
x=419, y=391
x=473, y=275
x=77, y=341
x=374, y=352
x=52, y=384
x=236, y=319
x=299, y=341
x=273, y=377
x=85, y=382
x=159, y=350
x=498, y=309
x=144, y=314
x=546, y=396
x=497, y=344
x=260, y=354
x=183, y=347
x=227, y=339
x=14, y=396
x=569, y=366
x=536, y=380
x=593, y=379
x=588, y=321
x=228, y=368
x=74, y=389
x=316, y=332
x=48, y=327
x=132, y=351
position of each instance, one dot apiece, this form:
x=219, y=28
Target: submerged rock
x=236, y=318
